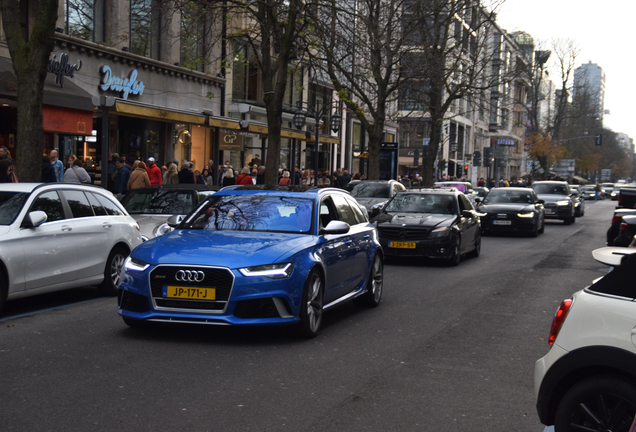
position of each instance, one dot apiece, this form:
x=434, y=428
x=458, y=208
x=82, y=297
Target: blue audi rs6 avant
x=254, y=255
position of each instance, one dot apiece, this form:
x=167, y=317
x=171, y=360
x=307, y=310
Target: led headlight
x=274, y=271
x=162, y=229
x=134, y=264
x=563, y=203
x=439, y=232
x=525, y=215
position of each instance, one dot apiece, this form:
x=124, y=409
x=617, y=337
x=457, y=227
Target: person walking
x=138, y=177
x=185, y=175
x=172, y=176
x=58, y=165
x=6, y=171
x=260, y=175
x=244, y=178
x=48, y=171
x=229, y=179
x=598, y=192
x=285, y=180
x=154, y=172
x=77, y=174
x=120, y=177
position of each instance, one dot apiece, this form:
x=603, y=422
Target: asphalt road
x=449, y=349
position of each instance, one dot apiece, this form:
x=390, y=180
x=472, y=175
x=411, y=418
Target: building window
x=192, y=41
x=144, y=28
x=81, y=19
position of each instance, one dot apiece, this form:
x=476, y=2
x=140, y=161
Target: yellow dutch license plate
x=189, y=292
x=402, y=245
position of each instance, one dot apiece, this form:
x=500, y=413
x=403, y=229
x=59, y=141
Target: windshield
x=497, y=196
x=550, y=189
x=370, y=190
x=160, y=201
x=10, y=205
x=587, y=188
x=421, y=203
x=254, y=213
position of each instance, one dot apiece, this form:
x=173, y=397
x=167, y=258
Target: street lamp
x=300, y=118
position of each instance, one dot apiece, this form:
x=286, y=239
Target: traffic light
x=487, y=155
x=477, y=159
x=599, y=139
x=465, y=170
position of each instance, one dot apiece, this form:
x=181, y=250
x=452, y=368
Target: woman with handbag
x=77, y=173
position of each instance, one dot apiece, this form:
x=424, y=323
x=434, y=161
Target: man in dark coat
x=120, y=177
x=260, y=175
x=185, y=175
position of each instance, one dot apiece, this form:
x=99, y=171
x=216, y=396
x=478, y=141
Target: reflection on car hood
x=549, y=198
x=370, y=202
x=420, y=219
x=148, y=222
x=231, y=249
x=514, y=207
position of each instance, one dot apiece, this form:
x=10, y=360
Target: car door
x=357, y=243
x=91, y=234
x=50, y=249
x=335, y=253
x=468, y=226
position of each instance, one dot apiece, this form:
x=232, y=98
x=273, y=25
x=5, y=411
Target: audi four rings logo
x=189, y=276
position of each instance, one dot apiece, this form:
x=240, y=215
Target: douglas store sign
x=121, y=85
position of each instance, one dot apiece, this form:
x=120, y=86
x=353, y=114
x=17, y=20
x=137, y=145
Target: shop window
x=192, y=41
x=82, y=19
x=145, y=18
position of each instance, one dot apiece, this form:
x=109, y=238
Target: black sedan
x=434, y=223
x=512, y=210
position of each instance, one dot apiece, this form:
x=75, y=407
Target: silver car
x=57, y=236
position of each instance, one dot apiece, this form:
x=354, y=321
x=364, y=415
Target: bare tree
x=30, y=55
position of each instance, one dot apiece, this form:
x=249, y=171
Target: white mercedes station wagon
x=56, y=236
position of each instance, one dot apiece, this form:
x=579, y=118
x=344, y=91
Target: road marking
x=26, y=314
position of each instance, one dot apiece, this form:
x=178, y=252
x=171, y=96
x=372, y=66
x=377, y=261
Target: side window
x=111, y=208
x=344, y=210
x=327, y=212
x=49, y=203
x=97, y=206
x=79, y=203
x=357, y=211
x=464, y=204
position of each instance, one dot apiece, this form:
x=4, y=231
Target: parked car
x=436, y=223
x=587, y=381
x=152, y=206
x=614, y=230
x=464, y=187
x=616, y=190
x=627, y=197
x=512, y=210
x=373, y=194
x=56, y=236
x=588, y=192
x=576, y=192
x=558, y=202
x=257, y=255
x=608, y=188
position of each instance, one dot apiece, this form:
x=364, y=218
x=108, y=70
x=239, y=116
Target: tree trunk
x=30, y=61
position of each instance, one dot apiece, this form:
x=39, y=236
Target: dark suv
x=433, y=223
x=559, y=202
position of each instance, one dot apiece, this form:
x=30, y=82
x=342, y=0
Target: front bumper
x=553, y=211
x=511, y=223
x=441, y=248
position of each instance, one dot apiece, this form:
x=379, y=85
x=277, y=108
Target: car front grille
x=134, y=302
x=403, y=233
x=550, y=206
x=256, y=308
x=221, y=279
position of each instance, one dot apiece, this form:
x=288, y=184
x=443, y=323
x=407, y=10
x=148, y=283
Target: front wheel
x=456, y=256
x=311, y=305
x=477, y=251
x=373, y=296
x=112, y=272
x=603, y=403
x=542, y=229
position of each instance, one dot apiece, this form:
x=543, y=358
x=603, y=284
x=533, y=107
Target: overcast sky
x=605, y=34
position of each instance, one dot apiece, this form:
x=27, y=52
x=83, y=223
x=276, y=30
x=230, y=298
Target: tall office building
x=591, y=78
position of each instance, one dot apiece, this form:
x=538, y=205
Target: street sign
x=529, y=164
x=427, y=141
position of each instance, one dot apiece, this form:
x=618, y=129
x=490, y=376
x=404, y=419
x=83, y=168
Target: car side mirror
x=468, y=214
x=174, y=220
x=478, y=199
x=34, y=219
x=335, y=227
x=540, y=201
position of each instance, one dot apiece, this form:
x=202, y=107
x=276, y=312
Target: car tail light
x=558, y=320
x=623, y=226
x=633, y=244
x=616, y=219
x=620, y=199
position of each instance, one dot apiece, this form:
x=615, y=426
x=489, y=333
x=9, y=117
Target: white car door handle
x=107, y=225
x=67, y=228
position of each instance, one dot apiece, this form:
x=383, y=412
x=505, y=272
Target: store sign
x=125, y=86
x=505, y=141
x=230, y=141
x=62, y=68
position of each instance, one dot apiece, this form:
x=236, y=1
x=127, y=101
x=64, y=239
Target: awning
x=66, y=120
x=165, y=114
x=69, y=96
